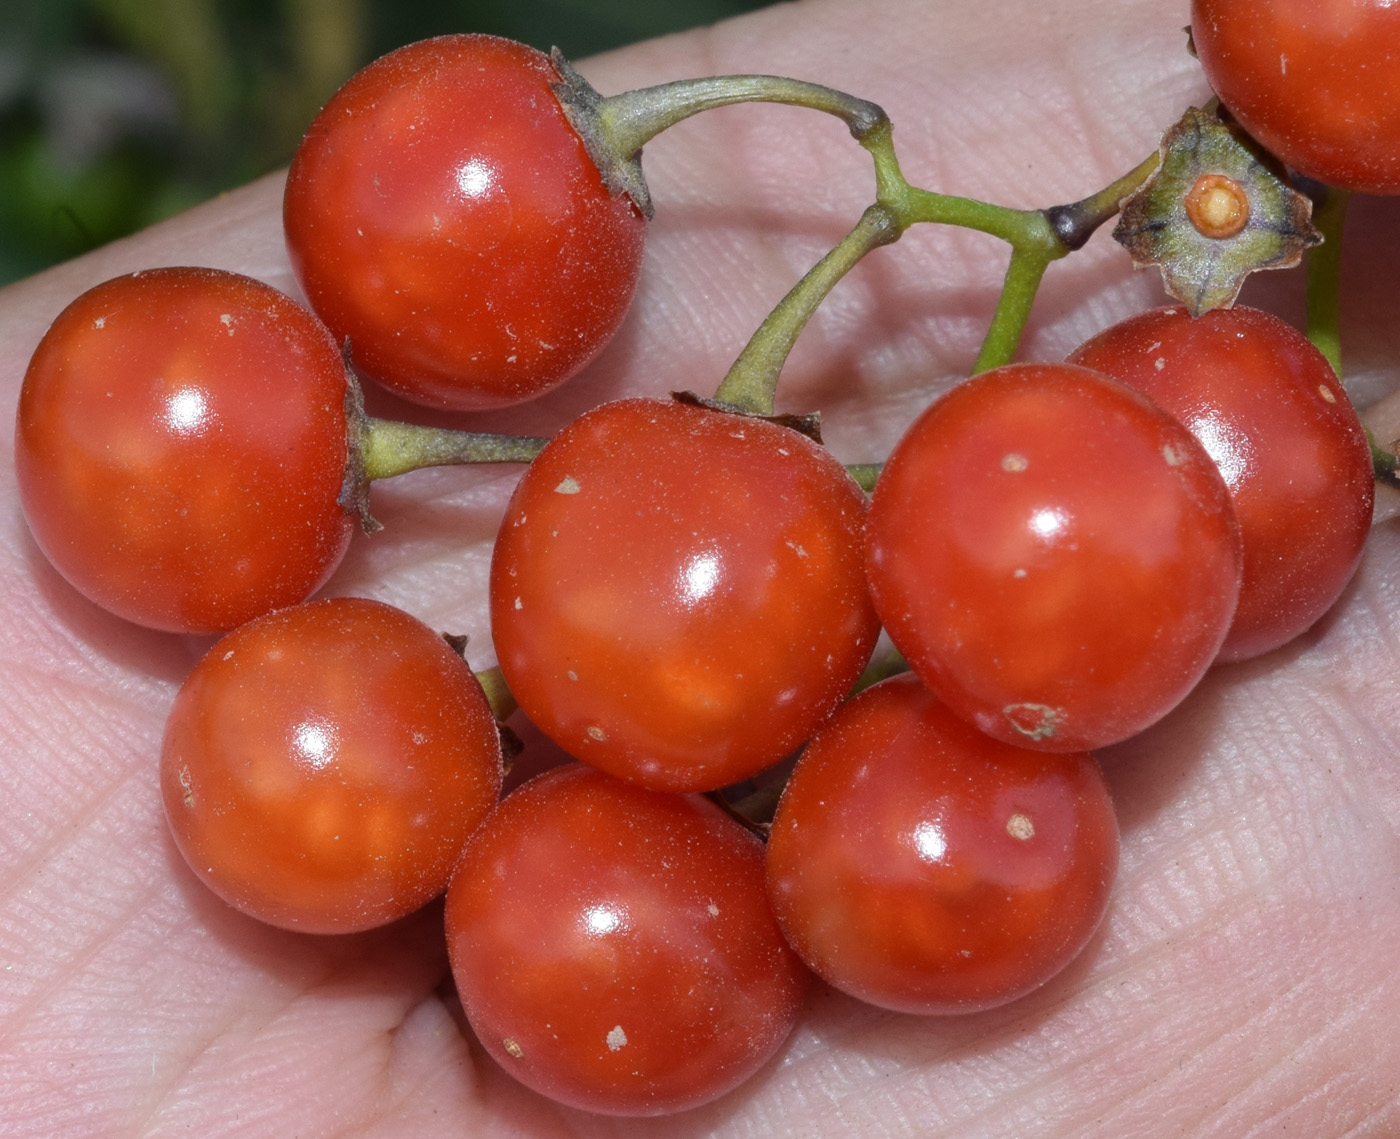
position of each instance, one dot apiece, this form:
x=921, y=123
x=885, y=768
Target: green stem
x=1076, y=222
x=865, y=474
x=389, y=448
x=615, y=128
x=1036, y=237
x=1018, y=289
x=882, y=666
x=633, y=118
x=752, y=380
x=1324, y=276
x=1324, y=279
x=498, y=694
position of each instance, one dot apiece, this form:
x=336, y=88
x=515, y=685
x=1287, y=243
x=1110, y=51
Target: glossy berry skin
x=1268, y=408
x=924, y=867
x=444, y=218
x=323, y=765
x=614, y=948
x=678, y=594
x=1055, y=556
x=1314, y=81
x=180, y=447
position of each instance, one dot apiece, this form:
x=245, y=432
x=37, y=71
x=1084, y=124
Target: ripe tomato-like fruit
x=1055, y=556
x=678, y=594
x=1313, y=80
x=181, y=448
x=446, y=220
x=614, y=948
x=323, y=765
x=924, y=867
x=1268, y=408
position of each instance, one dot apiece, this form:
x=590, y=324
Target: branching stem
x=1324, y=276
x=1036, y=237
x=752, y=380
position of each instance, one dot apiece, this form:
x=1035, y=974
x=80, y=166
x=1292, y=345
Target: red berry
x=446, y=220
x=181, y=448
x=1268, y=408
x=678, y=594
x=323, y=765
x=1312, y=80
x=922, y=866
x=613, y=946
x=1055, y=556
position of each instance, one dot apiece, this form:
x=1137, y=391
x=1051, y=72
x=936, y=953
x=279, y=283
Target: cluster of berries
x=684, y=592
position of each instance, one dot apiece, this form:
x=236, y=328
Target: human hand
x=1242, y=982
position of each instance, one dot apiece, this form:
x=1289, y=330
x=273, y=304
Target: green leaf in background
x=117, y=113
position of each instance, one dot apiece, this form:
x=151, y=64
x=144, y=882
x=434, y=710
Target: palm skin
x=1243, y=983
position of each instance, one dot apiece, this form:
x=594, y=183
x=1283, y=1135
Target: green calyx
x=1213, y=214
x=382, y=448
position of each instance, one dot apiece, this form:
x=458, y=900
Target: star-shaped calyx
x=1212, y=214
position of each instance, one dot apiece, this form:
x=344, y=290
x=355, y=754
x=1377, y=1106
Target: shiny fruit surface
x=614, y=949
x=323, y=765
x=181, y=447
x=678, y=594
x=1270, y=411
x=1055, y=556
x=924, y=867
x=444, y=217
x=1315, y=81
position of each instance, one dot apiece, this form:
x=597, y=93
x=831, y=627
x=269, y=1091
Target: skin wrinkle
x=92, y=807
x=283, y=1020
x=390, y=1043
x=1196, y=1122
x=1279, y=1072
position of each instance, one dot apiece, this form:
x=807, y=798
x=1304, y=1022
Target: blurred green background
x=117, y=113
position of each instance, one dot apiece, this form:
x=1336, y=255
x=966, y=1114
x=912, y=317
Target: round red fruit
x=922, y=866
x=323, y=765
x=1268, y=408
x=444, y=218
x=1055, y=556
x=181, y=448
x=614, y=949
x=1314, y=81
x=678, y=594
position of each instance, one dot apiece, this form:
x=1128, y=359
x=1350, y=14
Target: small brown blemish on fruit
x=616, y=1038
x=1019, y=826
x=596, y=733
x=1034, y=721
x=1217, y=206
x=512, y=1047
x=569, y=485
x=1326, y=393
x=1014, y=463
x=187, y=786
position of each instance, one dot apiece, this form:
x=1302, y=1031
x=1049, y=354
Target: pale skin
x=1243, y=983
